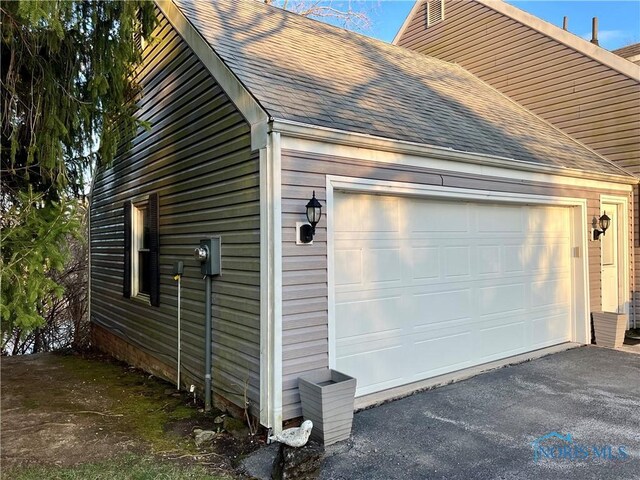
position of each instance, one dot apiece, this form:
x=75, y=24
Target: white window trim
x=580, y=321
x=136, y=220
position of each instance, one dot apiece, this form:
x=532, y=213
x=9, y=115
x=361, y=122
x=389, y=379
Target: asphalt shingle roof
x=310, y=72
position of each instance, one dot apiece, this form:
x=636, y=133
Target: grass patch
x=130, y=467
x=141, y=399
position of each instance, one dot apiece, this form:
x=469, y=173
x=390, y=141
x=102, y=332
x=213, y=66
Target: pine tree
x=68, y=100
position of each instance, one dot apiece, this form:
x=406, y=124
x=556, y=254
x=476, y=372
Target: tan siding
x=305, y=298
x=197, y=157
x=591, y=102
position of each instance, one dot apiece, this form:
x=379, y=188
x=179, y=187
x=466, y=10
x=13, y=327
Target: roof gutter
x=359, y=140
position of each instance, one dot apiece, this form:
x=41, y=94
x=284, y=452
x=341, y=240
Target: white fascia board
x=248, y=106
x=405, y=24
x=313, y=139
x=569, y=39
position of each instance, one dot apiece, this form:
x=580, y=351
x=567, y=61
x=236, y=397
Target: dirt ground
x=66, y=410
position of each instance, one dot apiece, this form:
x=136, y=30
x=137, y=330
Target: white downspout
x=178, y=269
x=179, y=342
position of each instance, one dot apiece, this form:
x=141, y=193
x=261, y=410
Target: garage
x=427, y=286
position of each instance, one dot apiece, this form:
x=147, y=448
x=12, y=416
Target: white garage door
x=425, y=287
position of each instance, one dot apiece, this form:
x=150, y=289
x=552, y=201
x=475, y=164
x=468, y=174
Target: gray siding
x=197, y=156
x=304, y=307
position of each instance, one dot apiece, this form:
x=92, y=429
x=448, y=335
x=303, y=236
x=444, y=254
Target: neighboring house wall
x=305, y=301
x=197, y=157
x=630, y=52
x=590, y=101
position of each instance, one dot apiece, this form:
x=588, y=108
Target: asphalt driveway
x=483, y=428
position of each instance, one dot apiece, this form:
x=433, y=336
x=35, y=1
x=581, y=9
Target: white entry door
x=426, y=287
x=611, y=261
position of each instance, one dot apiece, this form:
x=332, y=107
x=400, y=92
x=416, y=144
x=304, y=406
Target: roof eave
x=342, y=137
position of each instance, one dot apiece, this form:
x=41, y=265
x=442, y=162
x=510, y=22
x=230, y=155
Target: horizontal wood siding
x=197, y=156
x=305, y=305
x=588, y=100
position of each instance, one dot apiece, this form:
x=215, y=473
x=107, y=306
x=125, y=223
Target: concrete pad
x=483, y=427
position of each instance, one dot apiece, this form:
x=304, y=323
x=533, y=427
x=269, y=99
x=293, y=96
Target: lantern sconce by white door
x=604, y=222
x=306, y=231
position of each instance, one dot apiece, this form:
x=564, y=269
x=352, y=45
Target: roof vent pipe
x=594, y=31
x=565, y=23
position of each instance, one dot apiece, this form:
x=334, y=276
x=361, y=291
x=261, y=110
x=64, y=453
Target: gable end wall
x=197, y=156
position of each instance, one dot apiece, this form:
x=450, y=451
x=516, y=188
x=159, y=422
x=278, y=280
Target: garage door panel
x=501, y=299
x=382, y=265
x=457, y=261
x=435, y=354
x=446, y=218
x=370, y=343
x=442, y=306
x=488, y=259
x=495, y=341
x=453, y=284
x=498, y=219
x=550, y=329
x=425, y=262
x=550, y=292
x=360, y=317
x=383, y=367
x=547, y=221
x=348, y=267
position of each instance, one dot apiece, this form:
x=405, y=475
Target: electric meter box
x=212, y=265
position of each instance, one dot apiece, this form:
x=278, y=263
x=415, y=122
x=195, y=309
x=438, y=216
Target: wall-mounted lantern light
x=314, y=212
x=604, y=222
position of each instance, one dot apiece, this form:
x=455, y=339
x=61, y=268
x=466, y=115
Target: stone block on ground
x=298, y=463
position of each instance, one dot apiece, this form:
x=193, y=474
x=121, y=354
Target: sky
x=619, y=21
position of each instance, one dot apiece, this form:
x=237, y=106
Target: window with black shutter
x=141, y=265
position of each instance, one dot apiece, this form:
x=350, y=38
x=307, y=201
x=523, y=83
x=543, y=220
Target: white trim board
x=248, y=106
x=271, y=285
x=580, y=233
x=325, y=141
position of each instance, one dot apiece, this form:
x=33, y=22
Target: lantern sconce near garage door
x=603, y=222
x=308, y=230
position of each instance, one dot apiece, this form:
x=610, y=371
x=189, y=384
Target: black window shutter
x=126, y=282
x=154, y=249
